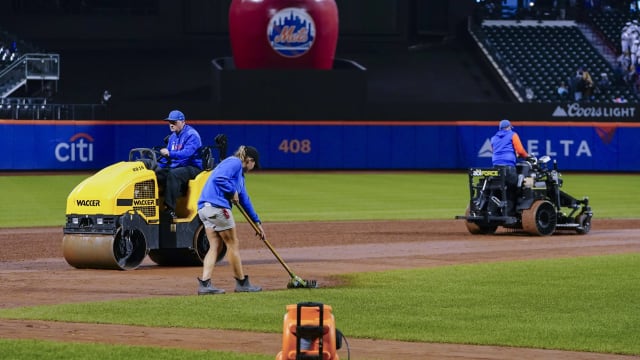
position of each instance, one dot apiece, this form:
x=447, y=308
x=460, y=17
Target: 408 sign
x=295, y=146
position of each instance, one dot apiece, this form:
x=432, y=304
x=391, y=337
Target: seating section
x=610, y=24
x=538, y=56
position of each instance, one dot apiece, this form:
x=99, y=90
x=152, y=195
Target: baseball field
x=405, y=280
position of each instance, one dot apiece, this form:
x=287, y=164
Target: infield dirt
x=33, y=272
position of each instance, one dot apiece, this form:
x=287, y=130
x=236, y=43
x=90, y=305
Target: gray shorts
x=217, y=218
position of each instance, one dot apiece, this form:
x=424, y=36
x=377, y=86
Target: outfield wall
x=339, y=145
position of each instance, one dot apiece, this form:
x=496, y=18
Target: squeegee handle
x=258, y=232
x=249, y=220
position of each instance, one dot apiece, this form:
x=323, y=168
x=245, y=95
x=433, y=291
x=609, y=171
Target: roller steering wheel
x=149, y=156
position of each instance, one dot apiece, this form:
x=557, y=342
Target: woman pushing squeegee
x=224, y=188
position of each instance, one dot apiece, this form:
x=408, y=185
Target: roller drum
x=92, y=251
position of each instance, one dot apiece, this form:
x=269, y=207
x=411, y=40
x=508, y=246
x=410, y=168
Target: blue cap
x=504, y=124
x=175, y=115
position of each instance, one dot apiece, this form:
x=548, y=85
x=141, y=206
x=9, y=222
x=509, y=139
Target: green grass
x=353, y=196
x=582, y=304
x=36, y=200
x=610, y=195
x=38, y=349
x=329, y=196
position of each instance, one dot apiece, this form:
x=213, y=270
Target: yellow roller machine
x=114, y=217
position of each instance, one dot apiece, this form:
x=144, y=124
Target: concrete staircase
x=41, y=67
x=598, y=42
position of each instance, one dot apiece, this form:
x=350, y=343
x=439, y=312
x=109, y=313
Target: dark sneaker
x=206, y=288
x=245, y=286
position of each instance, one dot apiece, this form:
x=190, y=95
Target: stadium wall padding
x=326, y=145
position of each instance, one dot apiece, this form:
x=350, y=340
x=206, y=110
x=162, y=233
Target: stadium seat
x=539, y=55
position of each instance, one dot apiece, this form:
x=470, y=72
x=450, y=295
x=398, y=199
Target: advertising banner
x=328, y=145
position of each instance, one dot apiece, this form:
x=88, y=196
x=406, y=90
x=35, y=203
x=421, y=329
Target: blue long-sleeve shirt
x=183, y=148
x=226, y=179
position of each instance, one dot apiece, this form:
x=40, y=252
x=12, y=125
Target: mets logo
x=291, y=32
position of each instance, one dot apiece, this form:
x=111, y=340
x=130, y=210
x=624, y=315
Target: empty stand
x=609, y=24
x=538, y=55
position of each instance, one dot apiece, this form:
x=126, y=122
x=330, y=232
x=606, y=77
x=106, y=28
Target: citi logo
x=79, y=148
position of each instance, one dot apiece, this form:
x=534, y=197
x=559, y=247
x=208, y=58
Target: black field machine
x=536, y=206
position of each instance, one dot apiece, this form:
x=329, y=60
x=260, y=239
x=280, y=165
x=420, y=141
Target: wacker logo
x=79, y=148
x=576, y=110
x=88, y=202
x=140, y=202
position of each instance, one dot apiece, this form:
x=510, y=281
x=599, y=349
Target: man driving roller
x=183, y=163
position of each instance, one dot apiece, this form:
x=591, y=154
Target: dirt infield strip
x=32, y=272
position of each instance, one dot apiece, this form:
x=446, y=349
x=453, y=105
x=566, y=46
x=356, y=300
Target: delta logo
x=291, y=32
x=554, y=148
x=79, y=148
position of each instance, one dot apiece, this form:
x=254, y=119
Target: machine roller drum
x=95, y=251
x=540, y=219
